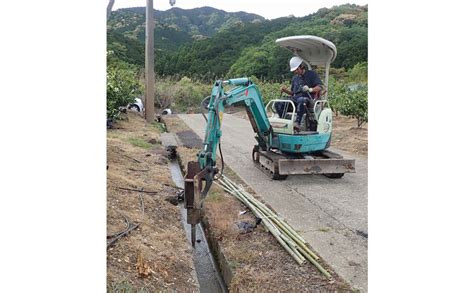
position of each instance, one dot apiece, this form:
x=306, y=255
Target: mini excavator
x=280, y=150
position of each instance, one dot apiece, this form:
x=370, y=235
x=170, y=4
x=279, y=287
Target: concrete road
x=331, y=214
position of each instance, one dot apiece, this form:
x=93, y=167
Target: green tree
x=358, y=73
x=336, y=94
x=355, y=104
x=122, y=86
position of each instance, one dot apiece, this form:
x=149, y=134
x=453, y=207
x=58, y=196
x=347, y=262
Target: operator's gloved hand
x=307, y=89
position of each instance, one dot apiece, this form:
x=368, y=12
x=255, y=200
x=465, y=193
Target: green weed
x=214, y=195
x=139, y=143
x=160, y=126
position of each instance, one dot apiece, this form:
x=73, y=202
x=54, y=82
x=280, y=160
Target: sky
x=269, y=9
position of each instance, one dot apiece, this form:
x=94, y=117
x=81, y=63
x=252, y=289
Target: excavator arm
x=200, y=174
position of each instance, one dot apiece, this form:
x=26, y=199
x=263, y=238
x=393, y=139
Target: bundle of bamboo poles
x=284, y=233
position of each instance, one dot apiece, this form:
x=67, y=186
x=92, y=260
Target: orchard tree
x=122, y=86
x=355, y=104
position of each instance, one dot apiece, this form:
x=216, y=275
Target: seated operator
x=305, y=85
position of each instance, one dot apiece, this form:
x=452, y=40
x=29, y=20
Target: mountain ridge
x=208, y=42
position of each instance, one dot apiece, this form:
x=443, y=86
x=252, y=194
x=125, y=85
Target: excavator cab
x=317, y=117
x=314, y=51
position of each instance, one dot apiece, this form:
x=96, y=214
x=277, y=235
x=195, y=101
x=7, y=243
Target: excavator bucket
x=194, y=194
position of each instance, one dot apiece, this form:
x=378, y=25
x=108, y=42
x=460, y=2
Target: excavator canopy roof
x=314, y=50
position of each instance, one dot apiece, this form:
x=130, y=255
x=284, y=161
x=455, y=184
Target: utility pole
x=149, y=64
x=109, y=8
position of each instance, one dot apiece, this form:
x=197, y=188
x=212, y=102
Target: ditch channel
x=208, y=274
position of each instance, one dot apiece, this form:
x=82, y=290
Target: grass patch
x=139, y=143
x=114, y=135
x=160, y=126
x=214, y=195
x=233, y=264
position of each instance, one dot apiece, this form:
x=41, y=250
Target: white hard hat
x=295, y=62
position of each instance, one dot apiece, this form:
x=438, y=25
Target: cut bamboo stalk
x=265, y=208
x=292, y=245
x=276, y=233
x=302, y=244
x=294, y=241
x=291, y=250
x=284, y=226
x=284, y=223
x=277, y=220
x=290, y=231
x=318, y=266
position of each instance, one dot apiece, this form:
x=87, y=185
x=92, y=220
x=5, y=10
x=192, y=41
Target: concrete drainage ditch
x=208, y=274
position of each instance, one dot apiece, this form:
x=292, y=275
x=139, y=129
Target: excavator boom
x=245, y=93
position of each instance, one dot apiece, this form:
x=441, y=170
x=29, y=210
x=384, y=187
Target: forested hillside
x=206, y=43
x=194, y=47
x=173, y=27
x=345, y=26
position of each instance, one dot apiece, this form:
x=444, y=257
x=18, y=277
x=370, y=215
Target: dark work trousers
x=299, y=102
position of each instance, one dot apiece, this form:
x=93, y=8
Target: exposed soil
x=348, y=137
x=254, y=261
x=156, y=255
